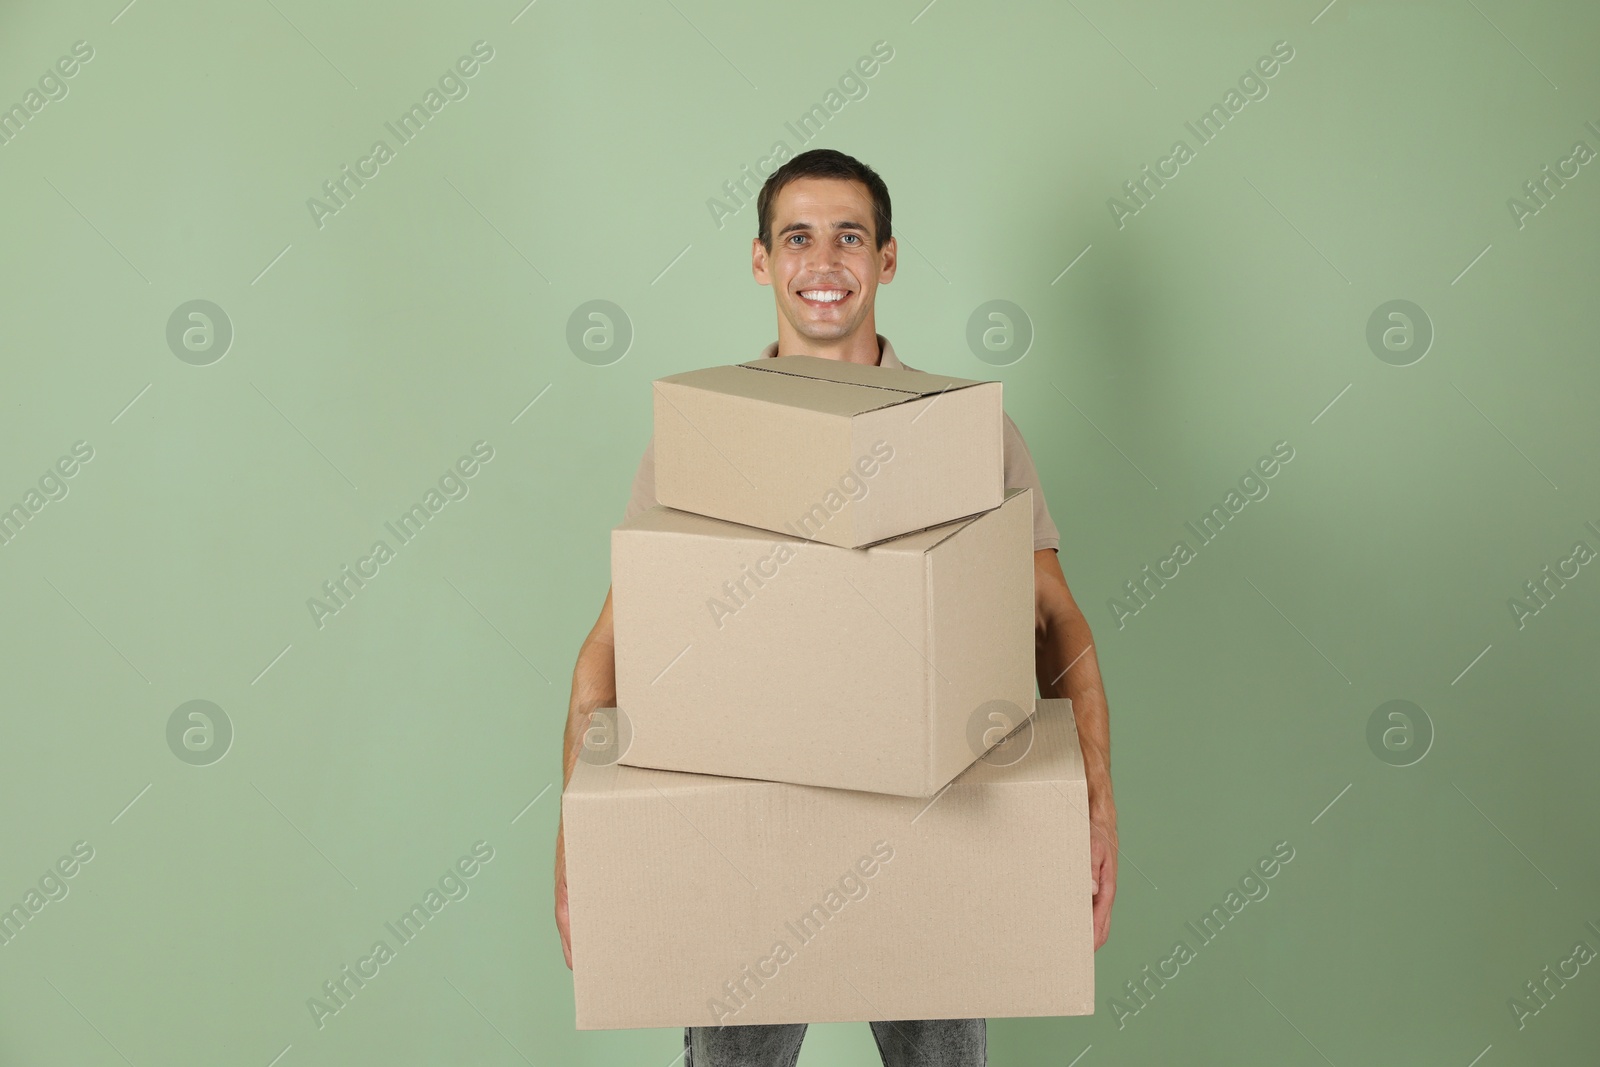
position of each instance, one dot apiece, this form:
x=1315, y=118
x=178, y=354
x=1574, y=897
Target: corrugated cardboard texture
x=742, y=652
x=787, y=443
x=683, y=887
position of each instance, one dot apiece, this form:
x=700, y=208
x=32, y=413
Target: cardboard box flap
x=925, y=540
x=662, y=519
x=1044, y=748
x=619, y=780
x=806, y=392
x=916, y=383
x=769, y=442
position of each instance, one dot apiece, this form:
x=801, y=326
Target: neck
x=859, y=347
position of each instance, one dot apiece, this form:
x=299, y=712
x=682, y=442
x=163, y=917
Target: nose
x=822, y=258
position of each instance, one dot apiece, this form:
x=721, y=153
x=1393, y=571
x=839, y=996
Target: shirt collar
x=886, y=357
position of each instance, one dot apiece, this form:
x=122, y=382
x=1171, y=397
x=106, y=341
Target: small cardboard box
x=828, y=450
x=748, y=653
x=697, y=900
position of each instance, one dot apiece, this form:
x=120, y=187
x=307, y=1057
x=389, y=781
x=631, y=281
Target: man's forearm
x=1067, y=667
x=594, y=685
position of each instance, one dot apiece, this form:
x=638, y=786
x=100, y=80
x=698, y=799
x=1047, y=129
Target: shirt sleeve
x=644, y=483
x=1021, y=474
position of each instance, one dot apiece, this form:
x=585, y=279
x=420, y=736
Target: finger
x=563, y=922
x=1102, y=907
x=1102, y=921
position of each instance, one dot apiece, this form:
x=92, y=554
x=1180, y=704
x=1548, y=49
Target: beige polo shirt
x=1019, y=470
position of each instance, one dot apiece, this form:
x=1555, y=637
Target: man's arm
x=594, y=685
x=1065, y=664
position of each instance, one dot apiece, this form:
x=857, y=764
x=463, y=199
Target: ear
x=758, y=262
x=889, y=256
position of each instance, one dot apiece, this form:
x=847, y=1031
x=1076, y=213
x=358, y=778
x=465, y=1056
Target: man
x=829, y=215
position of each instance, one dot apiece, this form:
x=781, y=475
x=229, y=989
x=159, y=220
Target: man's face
x=823, y=238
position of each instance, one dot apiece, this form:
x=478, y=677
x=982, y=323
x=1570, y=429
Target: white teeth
x=823, y=295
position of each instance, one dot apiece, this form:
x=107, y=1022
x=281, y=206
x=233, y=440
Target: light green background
x=428, y=314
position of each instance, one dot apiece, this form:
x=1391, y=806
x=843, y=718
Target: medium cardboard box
x=748, y=653
x=827, y=450
x=697, y=900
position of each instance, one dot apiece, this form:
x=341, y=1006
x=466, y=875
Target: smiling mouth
x=824, y=298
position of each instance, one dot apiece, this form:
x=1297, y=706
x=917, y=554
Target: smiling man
x=824, y=244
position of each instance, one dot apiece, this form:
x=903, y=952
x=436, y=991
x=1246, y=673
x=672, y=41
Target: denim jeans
x=933, y=1043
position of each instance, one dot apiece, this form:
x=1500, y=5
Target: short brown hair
x=824, y=163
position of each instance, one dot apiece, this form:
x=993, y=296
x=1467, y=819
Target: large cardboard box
x=827, y=450
x=697, y=900
x=744, y=652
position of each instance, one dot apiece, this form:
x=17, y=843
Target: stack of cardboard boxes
x=828, y=792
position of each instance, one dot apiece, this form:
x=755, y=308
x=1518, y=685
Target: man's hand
x=1103, y=866
x=594, y=685
x=562, y=920
x=1066, y=666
